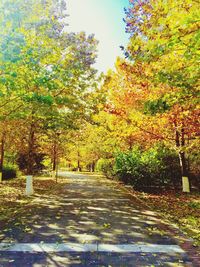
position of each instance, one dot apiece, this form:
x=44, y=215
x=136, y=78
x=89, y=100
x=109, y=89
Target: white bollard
x=54, y=174
x=186, y=185
x=0, y=177
x=29, y=185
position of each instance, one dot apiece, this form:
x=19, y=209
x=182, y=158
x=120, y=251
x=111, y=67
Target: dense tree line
x=141, y=124
x=152, y=97
x=45, y=73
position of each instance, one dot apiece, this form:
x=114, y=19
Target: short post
x=0, y=177
x=29, y=185
x=186, y=185
x=53, y=174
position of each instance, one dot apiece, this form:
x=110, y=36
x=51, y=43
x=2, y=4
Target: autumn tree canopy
x=56, y=108
x=45, y=72
x=153, y=94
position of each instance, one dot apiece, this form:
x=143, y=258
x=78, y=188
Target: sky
x=104, y=18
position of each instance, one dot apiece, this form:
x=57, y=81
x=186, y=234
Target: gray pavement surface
x=89, y=210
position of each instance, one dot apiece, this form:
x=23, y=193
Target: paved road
x=92, y=222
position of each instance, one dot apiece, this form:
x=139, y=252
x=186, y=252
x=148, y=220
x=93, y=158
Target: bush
x=194, y=164
x=161, y=167
x=9, y=172
x=156, y=167
x=105, y=166
x=128, y=166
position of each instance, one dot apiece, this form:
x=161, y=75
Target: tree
x=164, y=37
x=47, y=71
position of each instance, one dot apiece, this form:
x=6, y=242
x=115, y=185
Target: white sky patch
x=104, y=18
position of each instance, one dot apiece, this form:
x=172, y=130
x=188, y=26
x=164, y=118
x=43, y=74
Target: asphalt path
x=91, y=222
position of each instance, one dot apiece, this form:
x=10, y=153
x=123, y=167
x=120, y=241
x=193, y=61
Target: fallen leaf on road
x=106, y=225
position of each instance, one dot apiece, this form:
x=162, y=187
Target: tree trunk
x=54, y=159
x=184, y=172
x=78, y=162
x=79, y=168
x=56, y=171
x=180, y=143
x=2, y=155
x=93, y=166
x=31, y=142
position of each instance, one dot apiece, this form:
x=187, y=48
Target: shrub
x=161, y=167
x=9, y=172
x=106, y=166
x=158, y=166
x=194, y=164
x=128, y=166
